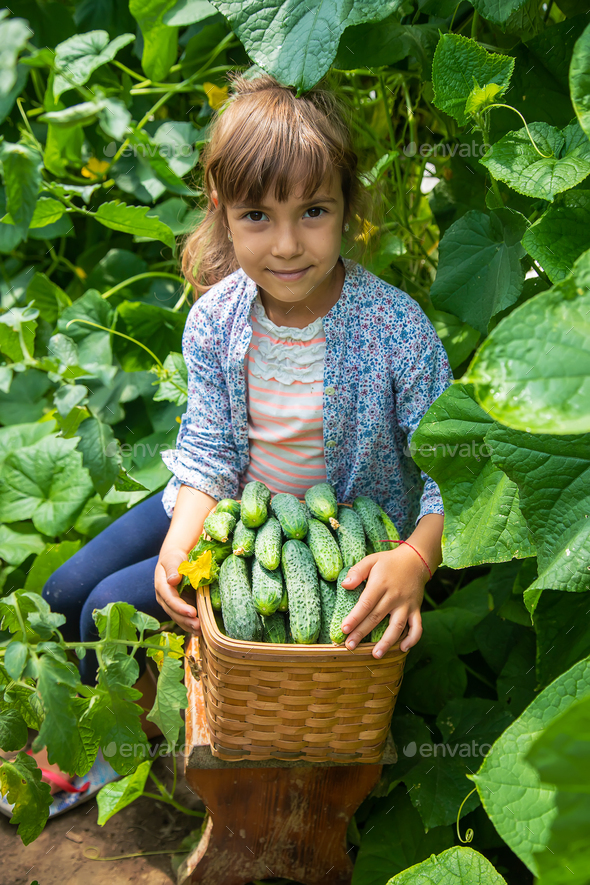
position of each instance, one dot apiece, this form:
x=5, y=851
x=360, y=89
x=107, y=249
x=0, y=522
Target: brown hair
x=262, y=134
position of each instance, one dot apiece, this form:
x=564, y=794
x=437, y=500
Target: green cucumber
x=268, y=544
x=345, y=602
x=321, y=500
x=324, y=550
x=220, y=623
x=241, y=619
x=254, y=504
x=327, y=604
x=220, y=525
x=290, y=514
x=392, y=532
x=274, y=627
x=370, y=514
x=215, y=595
x=267, y=588
x=228, y=505
x=378, y=631
x=303, y=592
x=243, y=540
x=351, y=536
x=284, y=603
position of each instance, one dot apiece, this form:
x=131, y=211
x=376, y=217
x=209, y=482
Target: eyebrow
x=320, y=198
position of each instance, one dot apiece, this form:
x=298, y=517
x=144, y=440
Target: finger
x=397, y=623
x=359, y=572
x=367, y=621
x=415, y=624
x=371, y=599
x=169, y=598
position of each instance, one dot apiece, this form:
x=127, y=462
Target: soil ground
x=57, y=856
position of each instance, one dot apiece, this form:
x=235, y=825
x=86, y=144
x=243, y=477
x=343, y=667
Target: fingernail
x=378, y=653
x=351, y=644
x=345, y=628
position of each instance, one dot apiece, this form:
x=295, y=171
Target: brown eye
x=316, y=209
x=254, y=212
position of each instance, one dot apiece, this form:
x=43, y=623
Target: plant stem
x=141, y=276
x=478, y=676
x=510, y=108
x=175, y=804
x=182, y=299
x=121, y=335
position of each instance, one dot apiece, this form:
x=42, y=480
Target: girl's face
x=291, y=249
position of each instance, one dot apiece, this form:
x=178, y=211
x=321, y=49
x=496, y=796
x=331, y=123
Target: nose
x=286, y=244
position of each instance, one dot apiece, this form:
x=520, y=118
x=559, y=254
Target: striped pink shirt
x=285, y=375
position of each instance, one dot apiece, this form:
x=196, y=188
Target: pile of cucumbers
x=282, y=563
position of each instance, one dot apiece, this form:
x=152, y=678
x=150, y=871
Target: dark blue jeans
x=116, y=566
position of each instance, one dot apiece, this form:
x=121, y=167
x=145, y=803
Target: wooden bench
x=269, y=819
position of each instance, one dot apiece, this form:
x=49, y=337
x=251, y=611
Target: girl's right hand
x=166, y=579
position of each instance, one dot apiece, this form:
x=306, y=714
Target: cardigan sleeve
x=205, y=456
x=428, y=375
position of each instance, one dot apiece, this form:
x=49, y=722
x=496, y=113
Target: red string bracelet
x=389, y=541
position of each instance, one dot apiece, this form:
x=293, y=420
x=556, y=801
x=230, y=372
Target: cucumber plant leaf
x=579, y=80
x=159, y=39
x=561, y=234
x=479, y=272
x=556, y=510
x=459, y=65
x=15, y=547
x=296, y=41
x=564, y=164
x=20, y=781
x=455, y=866
x=134, y=220
x=483, y=520
x=79, y=56
x=100, y=453
x=15, y=33
x=22, y=179
x=113, y=797
x=171, y=698
x=521, y=808
x=562, y=633
x=533, y=371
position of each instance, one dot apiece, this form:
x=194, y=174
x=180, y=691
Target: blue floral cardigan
x=384, y=366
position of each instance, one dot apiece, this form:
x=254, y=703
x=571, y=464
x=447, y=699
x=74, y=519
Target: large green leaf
x=479, y=271
x=79, y=56
x=25, y=401
x=17, y=328
x=296, y=41
x=100, y=453
x=57, y=685
x=393, y=838
x=14, y=36
x=455, y=866
x=438, y=784
x=134, y=220
x=553, y=478
x=483, y=521
x=118, y=795
x=498, y=11
x=579, y=79
x=171, y=698
x=459, y=338
x=21, y=781
x=22, y=179
x=459, y=65
x=563, y=637
x=48, y=562
x=188, y=12
x=45, y=482
x=565, y=161
x=386, y=43
x=15, y=547
x=520, y=807
x=159, y=328
x=561, y=234
x=561, y=755
x=533, y=371
x=159, y=40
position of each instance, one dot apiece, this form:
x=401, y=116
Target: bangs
x=276, y=152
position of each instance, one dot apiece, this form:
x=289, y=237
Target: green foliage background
x=473, y=122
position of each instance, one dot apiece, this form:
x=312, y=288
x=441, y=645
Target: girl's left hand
x=395, y=586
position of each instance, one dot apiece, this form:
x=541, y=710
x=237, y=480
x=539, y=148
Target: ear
x=214, y=198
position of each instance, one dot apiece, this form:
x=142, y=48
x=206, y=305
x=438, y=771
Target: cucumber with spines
x=284, y=603
x=372, y=519
x=324, y=549
x=268, y=544
x=254, y=504
x=267, y=588
x=243, y=540
x=327, y=605
x=392, y=532
x=290, y=514
x=215, y=596
x=351, y=536
x=220, y=525
x=228, y=505
x=321, y=500
x=241, y=619
x=303, y=592
x=378, y=631
x=345, y=602
x=274, y=627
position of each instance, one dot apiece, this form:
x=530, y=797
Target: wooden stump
x=269, y=819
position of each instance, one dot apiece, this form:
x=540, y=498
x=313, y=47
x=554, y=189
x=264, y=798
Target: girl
x=302, y=366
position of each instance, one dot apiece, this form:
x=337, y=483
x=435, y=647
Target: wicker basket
x=315, y=703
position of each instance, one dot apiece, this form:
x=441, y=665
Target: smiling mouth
x=289, y=274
